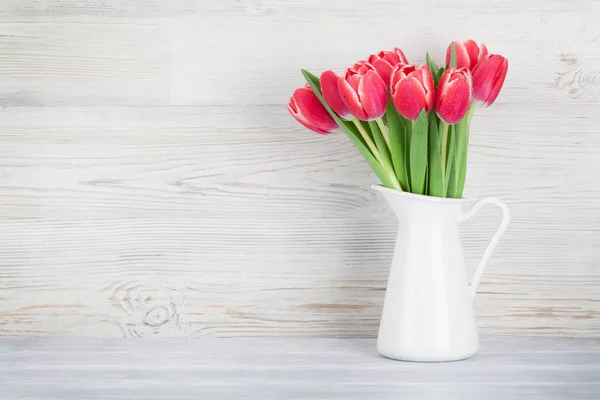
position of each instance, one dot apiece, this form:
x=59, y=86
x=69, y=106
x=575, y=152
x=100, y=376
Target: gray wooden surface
x=302, y=368
x=152, y=183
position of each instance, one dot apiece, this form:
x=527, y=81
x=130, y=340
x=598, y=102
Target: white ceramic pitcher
x=428, y=308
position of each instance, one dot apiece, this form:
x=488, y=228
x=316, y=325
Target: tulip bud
x=468, y=54
x=306, y=107
x=412, y=90
x=488, y=78
x=329, y=87
x=385, y=61
x=363, y=92
x=453, y=95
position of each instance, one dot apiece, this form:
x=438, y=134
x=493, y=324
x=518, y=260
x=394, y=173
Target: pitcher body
x=428, y=307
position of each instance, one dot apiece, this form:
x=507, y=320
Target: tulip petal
x=483, y=52
x=305, y=123
x=488, y=78
x=373, y=95
x=483, y=79
x=385, y=61
x=441, y=89
x=453, y=96
x=462, y=55
x=473, y=52
x=360, y=67
x=500, y=77
x=409, y=98
x=351, y=100
x=388, y=56
x=408, y=69
x=383, y=67
x=429, y=87
x=455, y=101
x=401, y=57
x=354, y=80
x=417, y=74
x=308, y=110
x=329, y=88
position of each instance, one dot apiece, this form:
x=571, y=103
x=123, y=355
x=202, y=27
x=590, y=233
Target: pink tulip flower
x=468, y=54
x=329, y=87
x=412, y=90
x=306, y=107
x=488, y=78
x=453, y=95
x=385, y=61
x=363, y=92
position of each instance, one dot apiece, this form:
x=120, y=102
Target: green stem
x=386, y=166
x=368, y=140
x=397, y=133
x=393, y=179
x=384, y=131
x=444, y=129
x=463, y=163
x=435, y=177
x=383, y=149
x=408, y=137
x=419, y=153
x=451, y=164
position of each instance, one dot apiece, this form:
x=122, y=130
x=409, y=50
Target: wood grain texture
x=152, y=183
x=534, y=369
x=49, y=63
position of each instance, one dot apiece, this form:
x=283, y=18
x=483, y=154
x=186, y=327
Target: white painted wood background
x=153, y=184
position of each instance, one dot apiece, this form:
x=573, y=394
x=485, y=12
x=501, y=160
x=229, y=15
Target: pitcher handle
x=494, y=242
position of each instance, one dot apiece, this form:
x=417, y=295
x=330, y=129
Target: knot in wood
x=158, y=316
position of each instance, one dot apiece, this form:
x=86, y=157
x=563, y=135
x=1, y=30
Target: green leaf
x=381, y=173
x=463, y=127
x=453, y=56
x=408, y=126
x=435, y=173
x=418, y=153
x=381, y=144
x=309, y=75
x=431, y=64
x=397, y=144
x=440, y=73
x=350, y=126
x=366, y=127
x=449, y=180
x=433, y=68
x=459, y=157
x=462, y=176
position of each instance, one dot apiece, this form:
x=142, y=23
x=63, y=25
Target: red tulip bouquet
x=411, y=123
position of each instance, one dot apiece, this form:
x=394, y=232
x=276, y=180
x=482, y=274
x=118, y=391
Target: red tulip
x=329, y=87
x=488, y=78
x=363, y=92
x=412, y=90
x=453, y=95
x=306, y=107
x=468, y=54
x=385, y=61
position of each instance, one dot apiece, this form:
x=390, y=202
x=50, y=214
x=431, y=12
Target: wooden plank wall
x=153, y=184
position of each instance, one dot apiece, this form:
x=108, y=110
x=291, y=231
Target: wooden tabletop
x=291, y=368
